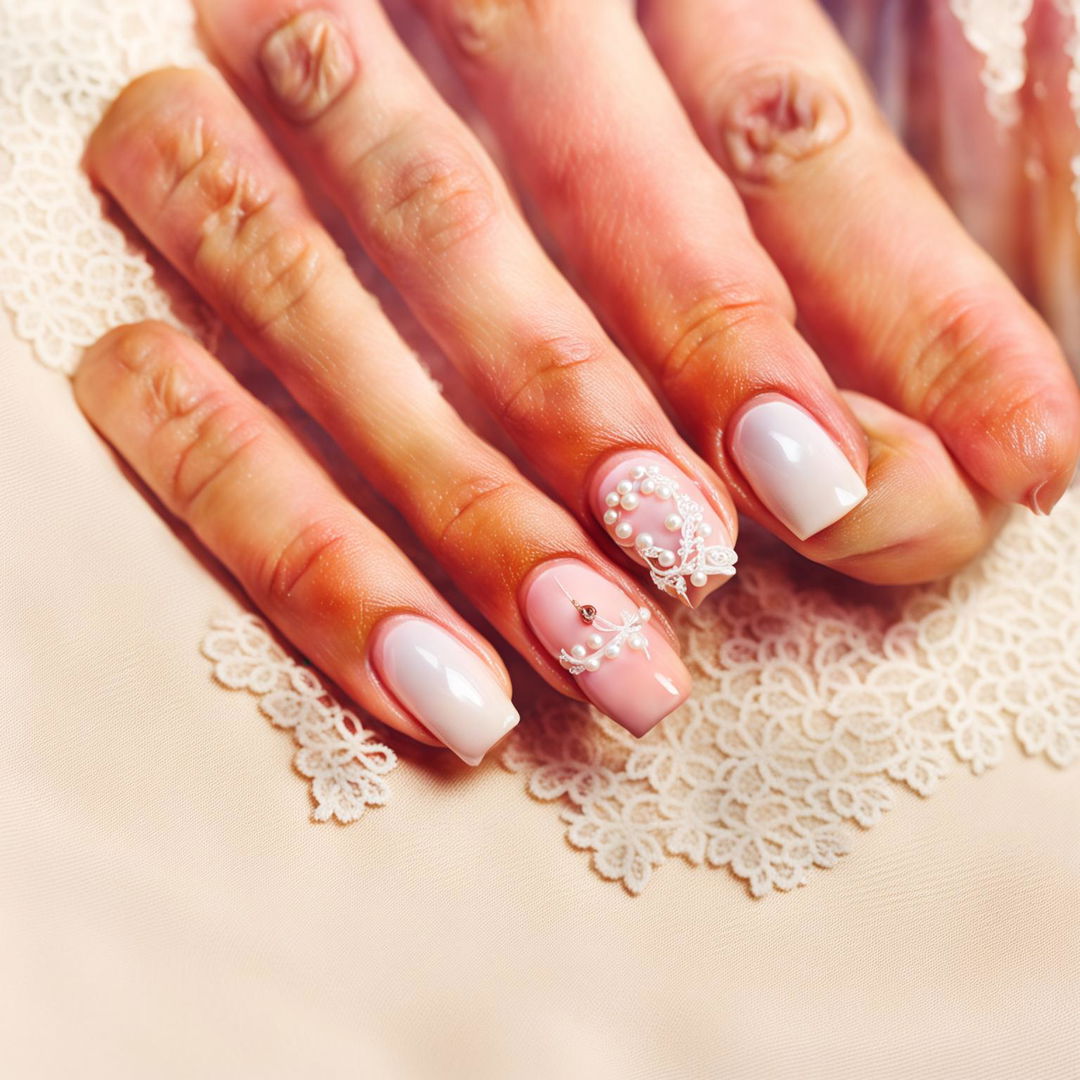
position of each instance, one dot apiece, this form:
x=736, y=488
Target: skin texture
x=211, y=194
x=707, y=175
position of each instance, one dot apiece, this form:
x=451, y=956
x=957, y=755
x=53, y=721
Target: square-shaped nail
x=443, y=684
x=602, y=637
x=794, y=466
x=663, y=520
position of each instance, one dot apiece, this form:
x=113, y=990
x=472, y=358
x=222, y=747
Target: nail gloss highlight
x=794, y=466
x=443, y=684
x=603, y=638
x=662, y=519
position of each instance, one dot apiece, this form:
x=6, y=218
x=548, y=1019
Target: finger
x=332, y=582
x=196, y=174
x=901, y=301
x=658, y=236
x=437, y=218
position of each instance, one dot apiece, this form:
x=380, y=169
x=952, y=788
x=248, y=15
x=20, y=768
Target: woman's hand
x=974, y=406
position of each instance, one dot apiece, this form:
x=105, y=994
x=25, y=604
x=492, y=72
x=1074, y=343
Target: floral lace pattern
x=68, y=274
x=340, y=757
x=816, y=698
x=995, y=28
x=814, y=703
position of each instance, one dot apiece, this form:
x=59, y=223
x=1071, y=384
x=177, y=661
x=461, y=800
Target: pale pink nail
x=795, y=466
x=601, y=636
x=663, y=521
x=443, y=684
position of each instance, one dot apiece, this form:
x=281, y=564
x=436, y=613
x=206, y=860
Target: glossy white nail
x=443, y=684
x=794, y=466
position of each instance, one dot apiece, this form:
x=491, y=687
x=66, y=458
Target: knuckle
x=214, y=436
x=276, y=278
x=478, y=496
x=147, y=354
x=772, y=118
x=555, y=382
x=477, y=28
x=308, y=64
x=432, y=200
x=943, y=365
x=707, y=328
x=305, y=558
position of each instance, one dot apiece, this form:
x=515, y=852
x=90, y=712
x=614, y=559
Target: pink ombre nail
x=603, y=638
x=663, y=521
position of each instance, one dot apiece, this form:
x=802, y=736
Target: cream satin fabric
x=168, y=910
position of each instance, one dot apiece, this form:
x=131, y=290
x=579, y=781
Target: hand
x=655, y=232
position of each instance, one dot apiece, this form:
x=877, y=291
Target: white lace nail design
x=689, y=560
x=606, y=639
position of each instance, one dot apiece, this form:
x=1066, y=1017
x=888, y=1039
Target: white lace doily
x=816, y=698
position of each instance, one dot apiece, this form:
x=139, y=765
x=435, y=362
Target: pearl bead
x=663, y=492
x=644, y=540
x=648, y=486
x=629, y=501
x=706, y=529
x=611, y=498
x=592, y=664
x=637, y=472
x=612, y=651
x=578, y=652
x=699, y=578
x=623, y=487
x=611, y=516
x=637, y=642
x=673, y=523
x=594, y=641
x=666, y=558
x=644, y=614
x=624, y=530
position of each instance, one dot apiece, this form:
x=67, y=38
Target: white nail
x=443, y=684
x=795, y=467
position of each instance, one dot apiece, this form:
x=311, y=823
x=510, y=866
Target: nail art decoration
x=682, y=556
x=606, y=639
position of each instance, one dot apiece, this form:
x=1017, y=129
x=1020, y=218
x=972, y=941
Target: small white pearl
x=663, y=492
x=629, y=501
x=578, y=652
x=644, y=540
x=673, y=523
x=624, y=530
x=612, y=498
x=592, y=664
x=612, y=651
x=637, y=472
x=644, y=614
x=699, y=578
x=594, y=641
x=637, y=641
x=623, y=487
x=611, y=516
x=666, y=558
x=648, y=486
x=706, y=529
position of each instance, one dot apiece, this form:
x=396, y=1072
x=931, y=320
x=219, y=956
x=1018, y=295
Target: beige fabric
x=167, y=909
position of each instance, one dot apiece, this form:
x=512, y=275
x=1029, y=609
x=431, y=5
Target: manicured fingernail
x=443, y=684
x=308, y=63
x=794, y=466
x=600, y=635
x=663, y=520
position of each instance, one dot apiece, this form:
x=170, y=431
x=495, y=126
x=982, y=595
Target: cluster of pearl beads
x=606, y=641
x=627, y=497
